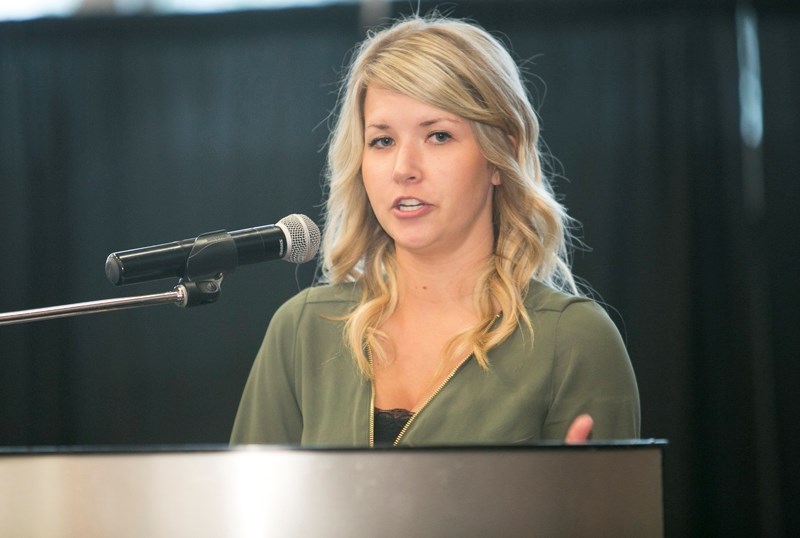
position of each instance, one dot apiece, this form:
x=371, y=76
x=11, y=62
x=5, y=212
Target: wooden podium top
x=543, y=490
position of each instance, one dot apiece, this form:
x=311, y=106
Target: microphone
x=295, y=238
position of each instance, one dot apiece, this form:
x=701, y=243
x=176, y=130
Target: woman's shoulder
x=573, y=317
x=314, y=298
x=543, y=298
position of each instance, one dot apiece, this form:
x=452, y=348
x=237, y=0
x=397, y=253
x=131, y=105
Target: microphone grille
x=303, y=238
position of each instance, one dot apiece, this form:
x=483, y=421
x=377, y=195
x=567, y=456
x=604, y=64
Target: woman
x=449, y=313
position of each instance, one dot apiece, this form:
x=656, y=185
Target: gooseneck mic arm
x=200, y=263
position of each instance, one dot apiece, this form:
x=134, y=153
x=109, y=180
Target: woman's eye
x=380, y=142
x=440, y=137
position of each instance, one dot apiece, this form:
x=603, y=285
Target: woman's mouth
x=409, y=204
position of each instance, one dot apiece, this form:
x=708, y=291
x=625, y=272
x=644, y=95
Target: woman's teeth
x=409, y=205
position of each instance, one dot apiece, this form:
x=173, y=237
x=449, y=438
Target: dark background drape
x=124, y=132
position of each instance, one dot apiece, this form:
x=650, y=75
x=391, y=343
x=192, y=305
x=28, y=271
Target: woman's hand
x=580, y=430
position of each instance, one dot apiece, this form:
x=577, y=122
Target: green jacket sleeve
x=592, y=374
x=269, y=412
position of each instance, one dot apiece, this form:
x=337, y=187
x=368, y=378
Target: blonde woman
x=447, y=312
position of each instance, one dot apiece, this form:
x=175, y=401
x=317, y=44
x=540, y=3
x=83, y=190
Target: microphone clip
x=213, y=256
x=192, y=293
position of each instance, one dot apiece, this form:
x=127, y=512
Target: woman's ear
x=496, y=179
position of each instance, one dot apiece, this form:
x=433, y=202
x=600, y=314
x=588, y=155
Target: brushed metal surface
x=260, y=491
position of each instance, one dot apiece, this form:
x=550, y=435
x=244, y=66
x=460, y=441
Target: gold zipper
x=371, y=401
x=410, y=420
x=431, y=397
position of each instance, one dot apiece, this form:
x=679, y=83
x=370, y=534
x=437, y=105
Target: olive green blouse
x=305, y=388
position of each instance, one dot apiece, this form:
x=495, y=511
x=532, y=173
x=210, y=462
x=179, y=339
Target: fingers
x=580, y=430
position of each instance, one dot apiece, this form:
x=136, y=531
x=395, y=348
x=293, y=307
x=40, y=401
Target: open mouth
x=409, y=204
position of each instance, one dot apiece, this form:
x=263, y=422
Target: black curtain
x=124, y=132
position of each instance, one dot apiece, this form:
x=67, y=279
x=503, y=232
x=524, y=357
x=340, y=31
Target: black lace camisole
x=388, y=424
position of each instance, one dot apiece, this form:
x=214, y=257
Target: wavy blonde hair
x=458, y=67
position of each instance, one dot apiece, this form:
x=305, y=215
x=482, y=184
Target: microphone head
x=302, y=237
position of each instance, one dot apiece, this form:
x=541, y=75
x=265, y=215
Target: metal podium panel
x=549, y=491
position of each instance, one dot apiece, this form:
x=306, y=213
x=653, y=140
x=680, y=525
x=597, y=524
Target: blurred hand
x=580, y=430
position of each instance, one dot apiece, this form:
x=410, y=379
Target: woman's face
x=428, y=183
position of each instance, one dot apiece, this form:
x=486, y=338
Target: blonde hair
x=460, y=68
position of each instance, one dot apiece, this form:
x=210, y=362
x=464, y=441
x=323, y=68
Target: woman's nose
x=407, y=164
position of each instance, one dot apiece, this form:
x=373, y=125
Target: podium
x=543, y=490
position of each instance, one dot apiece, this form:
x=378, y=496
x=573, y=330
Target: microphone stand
x=212, y=256
x=185, y=294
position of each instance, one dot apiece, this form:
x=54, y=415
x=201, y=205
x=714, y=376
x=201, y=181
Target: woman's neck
x=440, y=282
